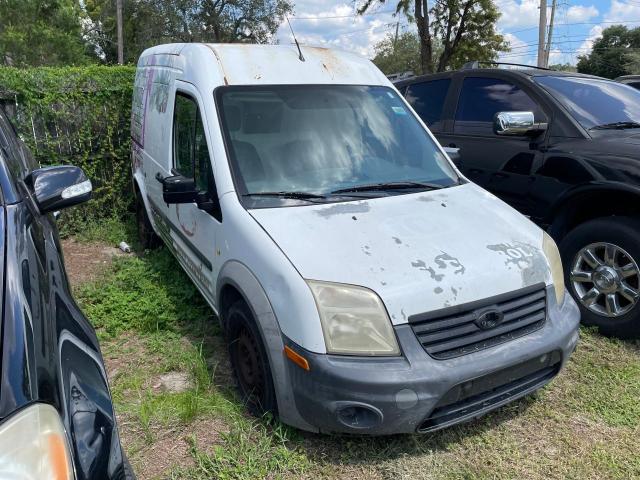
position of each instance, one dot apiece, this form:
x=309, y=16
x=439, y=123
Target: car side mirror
x=516, y=124
x=179, y=189
x=454, y=155
x=55, y=188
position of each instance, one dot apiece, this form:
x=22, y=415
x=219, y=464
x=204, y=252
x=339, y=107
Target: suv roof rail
x=477, y=63
x=400, y=75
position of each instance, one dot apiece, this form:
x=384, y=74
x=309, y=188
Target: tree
x=151, y=22
x=466, y=30
x=42, y=32
x=398, y=56
x=614, y=54
x=633, y=64
x=563, y=67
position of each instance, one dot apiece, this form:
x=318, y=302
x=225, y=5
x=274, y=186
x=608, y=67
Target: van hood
x=419, y=252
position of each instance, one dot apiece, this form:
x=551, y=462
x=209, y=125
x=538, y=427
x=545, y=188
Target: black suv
x=56, y=415
x=631, y=80
x=564, y=149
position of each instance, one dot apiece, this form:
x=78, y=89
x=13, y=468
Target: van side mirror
x=55, y=188
x=516, y=124
x=179, y=189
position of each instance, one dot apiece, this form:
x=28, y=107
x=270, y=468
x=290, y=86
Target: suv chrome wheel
x=606, y=279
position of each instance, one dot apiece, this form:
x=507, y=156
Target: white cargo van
x=363, y=284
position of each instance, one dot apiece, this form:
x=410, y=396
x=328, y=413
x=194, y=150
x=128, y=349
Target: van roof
x=249, y=64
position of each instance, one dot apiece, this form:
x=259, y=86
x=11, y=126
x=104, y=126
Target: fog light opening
x=359, y=416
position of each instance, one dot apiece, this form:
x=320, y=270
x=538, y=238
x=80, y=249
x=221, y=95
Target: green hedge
x=79, y=116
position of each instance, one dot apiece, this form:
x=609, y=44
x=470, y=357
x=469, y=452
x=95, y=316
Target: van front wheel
x=249, y=360
x=601, y=259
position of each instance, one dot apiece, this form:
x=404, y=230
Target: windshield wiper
x=293, y=195
x=390, y=186
x=616, y=126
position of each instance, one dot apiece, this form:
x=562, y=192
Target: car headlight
x=550, y=250
x=354, y=320
x=33, y=445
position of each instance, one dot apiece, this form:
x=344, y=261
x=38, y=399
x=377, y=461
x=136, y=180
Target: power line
x=576, y=23
x=353, y=15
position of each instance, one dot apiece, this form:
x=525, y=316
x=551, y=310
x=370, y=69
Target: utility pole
x=119, y=28
x=550, y=34
x=542, y=30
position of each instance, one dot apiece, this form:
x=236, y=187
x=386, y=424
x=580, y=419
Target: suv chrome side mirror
x=515, y=123
x=454, y=154
x=55, y=188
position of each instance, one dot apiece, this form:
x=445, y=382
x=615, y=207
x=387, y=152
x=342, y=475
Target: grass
x=151, y=321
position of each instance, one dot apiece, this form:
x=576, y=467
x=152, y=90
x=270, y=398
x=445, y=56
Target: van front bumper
x=417, y=393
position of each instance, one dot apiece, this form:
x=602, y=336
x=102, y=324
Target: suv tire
x=149, y=240
x=249, y=360
x=601, y=259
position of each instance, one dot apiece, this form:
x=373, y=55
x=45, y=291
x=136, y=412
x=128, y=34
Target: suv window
x=190, y=152
x=481, y=98
x=427, y=99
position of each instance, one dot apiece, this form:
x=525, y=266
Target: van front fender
x=237, y=275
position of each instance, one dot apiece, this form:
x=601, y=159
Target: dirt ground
x=85, y=262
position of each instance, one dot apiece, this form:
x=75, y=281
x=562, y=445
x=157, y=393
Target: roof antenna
x=301, y=57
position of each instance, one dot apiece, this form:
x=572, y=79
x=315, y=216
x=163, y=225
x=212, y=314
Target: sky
x=334, y=23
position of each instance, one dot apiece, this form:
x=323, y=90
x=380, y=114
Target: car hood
x=420, y=252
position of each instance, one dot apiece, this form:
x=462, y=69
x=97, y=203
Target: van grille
x=454, y=331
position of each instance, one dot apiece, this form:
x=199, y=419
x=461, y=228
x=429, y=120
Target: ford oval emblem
x=489, y=319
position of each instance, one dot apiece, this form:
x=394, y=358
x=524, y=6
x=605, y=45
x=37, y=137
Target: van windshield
x=319, y=143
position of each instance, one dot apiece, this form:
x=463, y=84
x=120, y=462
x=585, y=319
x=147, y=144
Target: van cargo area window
x=314, y=141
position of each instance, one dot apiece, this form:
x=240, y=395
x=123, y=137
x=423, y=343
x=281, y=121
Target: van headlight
x=354, y=320
x=33, y=444
x=550, y=250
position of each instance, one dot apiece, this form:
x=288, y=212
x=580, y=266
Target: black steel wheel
x=249, y=360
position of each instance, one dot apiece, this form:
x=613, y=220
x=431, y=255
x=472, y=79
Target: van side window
x=202, y=163
x=427, y=99
x=190, y=151
x=184, y=125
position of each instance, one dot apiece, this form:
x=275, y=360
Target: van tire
x=149, y=240
x=623, y=233
x=249, y=360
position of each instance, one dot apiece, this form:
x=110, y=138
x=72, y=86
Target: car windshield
x=595, y=103
x=318, y=143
